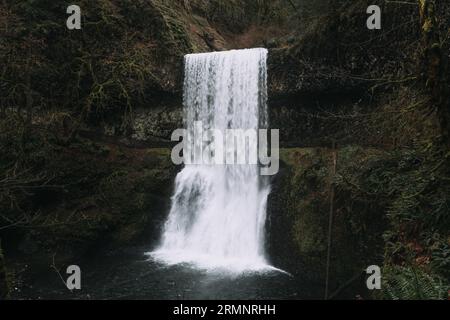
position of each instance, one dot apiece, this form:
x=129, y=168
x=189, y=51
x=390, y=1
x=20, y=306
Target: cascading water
x=218, y=212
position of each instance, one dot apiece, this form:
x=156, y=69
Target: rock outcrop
x=299, y=212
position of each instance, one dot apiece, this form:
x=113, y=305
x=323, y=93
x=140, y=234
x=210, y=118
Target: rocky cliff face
x=105, y=193
x=322, y=79
x=299, y=213
x=118, y=85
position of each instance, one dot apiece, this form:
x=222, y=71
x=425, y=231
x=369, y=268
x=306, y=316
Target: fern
x=410, y=283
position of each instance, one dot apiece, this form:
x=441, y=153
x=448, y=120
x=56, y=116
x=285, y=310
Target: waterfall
x=218, y=212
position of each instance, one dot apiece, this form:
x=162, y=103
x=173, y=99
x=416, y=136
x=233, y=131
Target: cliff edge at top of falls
x=323, y=69
x=129, y=57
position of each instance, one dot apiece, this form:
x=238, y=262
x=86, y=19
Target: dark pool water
x=130, y=275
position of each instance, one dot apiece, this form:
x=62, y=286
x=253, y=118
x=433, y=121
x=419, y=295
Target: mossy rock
x=299, y=208
x=113, y=196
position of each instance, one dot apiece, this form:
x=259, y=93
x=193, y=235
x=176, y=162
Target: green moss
x=356, y=233
x=309, y=229
x=100, y=191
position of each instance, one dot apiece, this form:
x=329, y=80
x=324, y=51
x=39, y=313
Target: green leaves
x=411, y=283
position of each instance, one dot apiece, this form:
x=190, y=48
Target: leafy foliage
x=411, y=186
x=402, y=283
